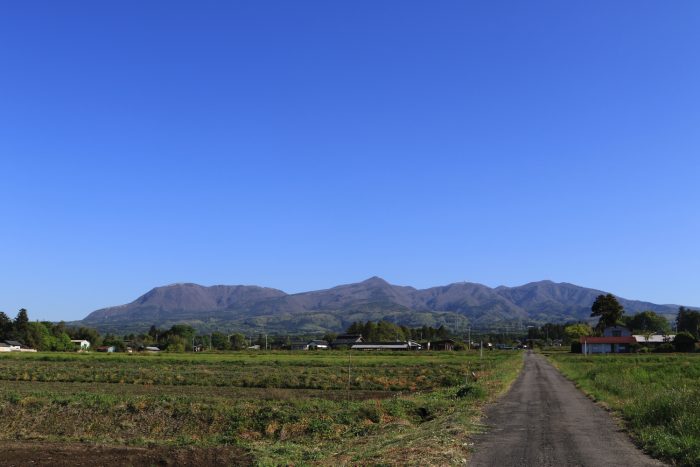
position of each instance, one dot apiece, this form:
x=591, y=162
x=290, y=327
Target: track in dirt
x=22, y=453
x=545, y=421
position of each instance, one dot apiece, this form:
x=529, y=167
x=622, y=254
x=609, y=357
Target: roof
x=607, y=340
x=318, y=342
x=655, y=338
x=2, y=344
x=385, y=345
x=348, y=339
x=13, y=343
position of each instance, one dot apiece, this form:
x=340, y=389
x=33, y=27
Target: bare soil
x=24, y=453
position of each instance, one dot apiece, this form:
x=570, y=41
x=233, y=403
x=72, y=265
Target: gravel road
x=545, y=421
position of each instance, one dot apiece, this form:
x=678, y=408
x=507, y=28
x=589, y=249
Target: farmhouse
x=5, y=347
x=408, y=345
x=14, y=346
x=615, y=339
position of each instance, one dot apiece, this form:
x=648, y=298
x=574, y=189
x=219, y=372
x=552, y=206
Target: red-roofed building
x=614, y=340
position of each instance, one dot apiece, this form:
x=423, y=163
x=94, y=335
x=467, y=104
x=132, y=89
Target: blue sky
x=303, y=144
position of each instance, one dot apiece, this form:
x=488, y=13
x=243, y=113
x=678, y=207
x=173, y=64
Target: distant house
x=445, y=344
x=346, y=340
x=14, y=346
x=318, y=345
x=152, y=349
x=311, y=345
x=407, y=345
x=5, y=347
x=18, y=347
x=81, y=344
x=106, y=348
x=615, y=339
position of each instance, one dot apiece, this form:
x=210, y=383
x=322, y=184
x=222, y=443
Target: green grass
x=658, y=397
x=282, y=407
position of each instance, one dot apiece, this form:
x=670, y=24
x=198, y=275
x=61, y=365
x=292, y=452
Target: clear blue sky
x=304, y=144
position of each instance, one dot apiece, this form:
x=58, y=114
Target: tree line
x=387, y=331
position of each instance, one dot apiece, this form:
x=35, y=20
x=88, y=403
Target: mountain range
x=261, y=309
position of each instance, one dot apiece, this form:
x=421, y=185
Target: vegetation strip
x=656, y=395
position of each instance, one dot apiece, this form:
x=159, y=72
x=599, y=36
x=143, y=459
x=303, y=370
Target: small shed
x=106, y=348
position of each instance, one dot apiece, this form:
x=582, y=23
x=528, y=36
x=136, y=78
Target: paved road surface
x=545, y=421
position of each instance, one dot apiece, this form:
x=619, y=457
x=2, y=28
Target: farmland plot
x=311, y=407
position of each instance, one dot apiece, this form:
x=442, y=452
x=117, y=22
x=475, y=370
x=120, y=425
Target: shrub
x=665, y=348
x=471, y=390
x=684, y=342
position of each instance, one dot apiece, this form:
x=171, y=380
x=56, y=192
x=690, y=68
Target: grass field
x=300, y=408
x=657, y=395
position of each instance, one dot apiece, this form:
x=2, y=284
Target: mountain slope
x=252, y=308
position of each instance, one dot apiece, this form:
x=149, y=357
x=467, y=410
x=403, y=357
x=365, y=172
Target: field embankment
x=658, y=397
x=273, y=408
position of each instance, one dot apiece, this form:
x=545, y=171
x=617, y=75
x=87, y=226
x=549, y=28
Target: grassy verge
x=423, y=407
x=658, y=397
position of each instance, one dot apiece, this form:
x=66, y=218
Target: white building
x=82, y=344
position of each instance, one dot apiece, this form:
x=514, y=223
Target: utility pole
x=349, y=369
x=469, y=339
x=265, y=341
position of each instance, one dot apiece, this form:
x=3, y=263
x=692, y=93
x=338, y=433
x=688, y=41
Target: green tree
x=38, y=337
x=574, y=331
x=238, y=341
x=5, y=327
x=175, y=343
x=115, y=341
x=220, y=341
x=608, y=310
x=649, y=322
x=20, y=326
x=688, y=320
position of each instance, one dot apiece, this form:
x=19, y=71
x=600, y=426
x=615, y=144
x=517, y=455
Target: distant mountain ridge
x=256, y=309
